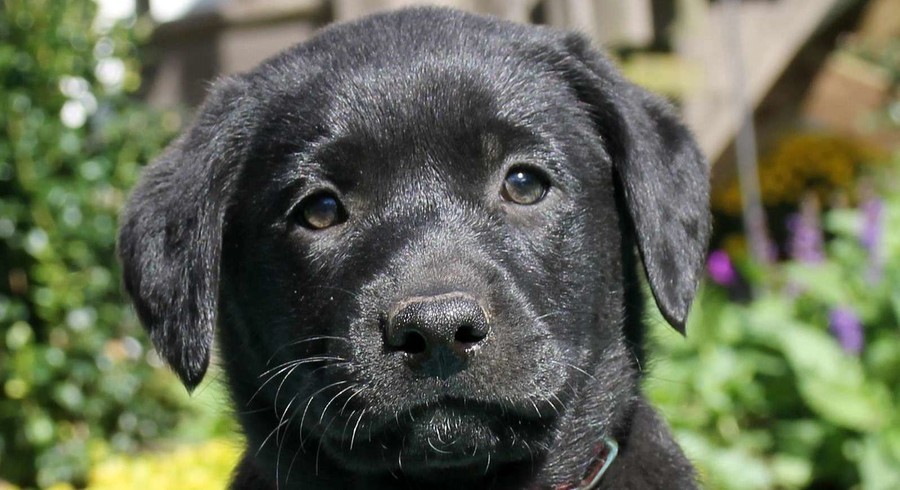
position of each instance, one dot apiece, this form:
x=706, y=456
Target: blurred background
x=789, y=377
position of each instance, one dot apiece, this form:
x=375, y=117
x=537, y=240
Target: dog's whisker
x=530, y=453
x=212, y=381
x=657, y=377
x=335, y=397
x=561, y=312
x=282, y=368
x=248, y=412
x=284, y=414
x=304, y=360
x=303, y=341
x=280, y=385
x=319, y=447
x=330, y=365
x=572, y=389
x=350, y=293
x=344, y=407
x=536, y=409
x=281, y=441
x=356, y=427
x=346, y=426
x=291, y=466
x=637, y=361
x=299, y=449
x=572, y=313
x=273, y=432
x=561, y=404
x=291, y=366
x=576, y=368
x=388, y=465
x=309, y=402
x=400, y=454
x=435, y=448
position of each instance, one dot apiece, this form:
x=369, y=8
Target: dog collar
x=604, y=454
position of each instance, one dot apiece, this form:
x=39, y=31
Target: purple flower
x=847, y=329
x=872, y=222
x=720, y=268
x=870, y=236
x=806, y=238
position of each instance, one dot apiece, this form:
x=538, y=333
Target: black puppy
x=415, y=237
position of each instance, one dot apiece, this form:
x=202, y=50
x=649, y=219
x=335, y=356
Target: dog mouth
x=448, y=433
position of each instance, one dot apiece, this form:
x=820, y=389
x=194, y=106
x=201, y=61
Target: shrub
x=800, y=387
x=73, y=365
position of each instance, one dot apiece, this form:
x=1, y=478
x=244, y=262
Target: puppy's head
x=417, y=227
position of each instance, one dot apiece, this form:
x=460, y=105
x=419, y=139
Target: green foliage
x=762, y=394
x=72, y=369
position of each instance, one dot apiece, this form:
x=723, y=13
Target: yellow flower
x=194, y=467
x=802, y=162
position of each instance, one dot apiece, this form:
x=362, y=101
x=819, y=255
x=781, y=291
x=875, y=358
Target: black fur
x=412, y=120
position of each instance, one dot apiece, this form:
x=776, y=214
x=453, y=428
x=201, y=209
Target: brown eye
x=523, y=186
x=320, y=211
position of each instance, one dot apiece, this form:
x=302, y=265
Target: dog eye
x=320, y=211
x=523, y=186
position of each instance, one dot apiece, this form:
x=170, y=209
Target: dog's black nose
x=439, y=333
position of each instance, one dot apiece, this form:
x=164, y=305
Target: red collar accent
x=604, y=454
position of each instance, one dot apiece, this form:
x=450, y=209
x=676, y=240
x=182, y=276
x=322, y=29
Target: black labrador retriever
x=416, y=238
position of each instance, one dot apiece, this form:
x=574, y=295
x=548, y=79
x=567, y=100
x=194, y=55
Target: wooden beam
x=771, y=34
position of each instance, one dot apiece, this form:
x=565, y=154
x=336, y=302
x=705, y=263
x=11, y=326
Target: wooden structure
x=690, y=43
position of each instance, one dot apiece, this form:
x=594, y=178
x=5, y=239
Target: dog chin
x=440, y=438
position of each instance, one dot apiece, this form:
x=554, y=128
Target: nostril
x=413, y=342
x=431, y=327
x=467, y=335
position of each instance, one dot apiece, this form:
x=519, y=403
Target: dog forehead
x=444, y=97
x=419, y=100
x=402, y=67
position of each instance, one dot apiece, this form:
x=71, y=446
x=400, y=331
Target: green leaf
x=726, y=468
x=831, y=382
x=879, y=462
x=824, y=281
x=791, y=471
x=846, y=222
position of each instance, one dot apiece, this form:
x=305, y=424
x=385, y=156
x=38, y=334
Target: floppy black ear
x=661, y=171
x=170, y=236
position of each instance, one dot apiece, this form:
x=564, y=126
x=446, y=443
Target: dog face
x=415, y=235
